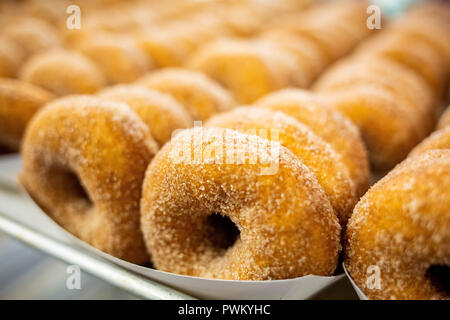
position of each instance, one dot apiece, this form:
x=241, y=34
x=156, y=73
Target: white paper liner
x=20, y=207
x=360, y=294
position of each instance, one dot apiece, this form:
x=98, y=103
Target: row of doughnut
x=184, y=95
x=392, y=86
x=83, y=61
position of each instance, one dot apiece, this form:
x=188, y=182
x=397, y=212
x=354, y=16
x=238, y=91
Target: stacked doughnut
x=291, y=54
x=393, y=85
x=398, y=238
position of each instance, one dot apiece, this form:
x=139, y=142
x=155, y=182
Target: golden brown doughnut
x=437, y=140
x=84, y=160
x=400, y=232
x=18, y=103
x=388, y=127
x=160, y=112
x=284, y=225
x=258, y=72
x=328, y=124
x=445, y=119
x=119, y=58
x=62, y=72
x=312, y=150
x=201, y=96
x=306, y=50
x=407, y=87
x=161, y=48
x=32, y=35
x=416, y=55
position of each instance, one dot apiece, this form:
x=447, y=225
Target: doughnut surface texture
x=402, y=227
x=286, y=225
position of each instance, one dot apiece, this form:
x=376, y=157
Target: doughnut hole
x=71, y=188
x=439, y=276
x=224, y=232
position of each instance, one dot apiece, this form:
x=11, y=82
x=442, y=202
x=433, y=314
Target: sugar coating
x=286, y=223
x=62, y=72
x=312, y=150
x=19, y=101
x=106, y=147
x=159, y=111
x=402, y=226
x=201, y=96
x=440, y=139
x=327, y=123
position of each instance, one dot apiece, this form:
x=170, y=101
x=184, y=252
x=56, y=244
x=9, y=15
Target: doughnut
x=402, y=228
x=445, y=119
x=395, y=77
x=416, y=55
x=439, y=139
x=306, y=50
x=161, y=48
x=429, y=31
x=201, y=96
x=19, y=101
x=160, y=112
x=312, y=150
x=293, y=70
x=388, y=127
x=258, y=72
x=84, y=160
x=406, y=86
x=62, y=72
x=237, y=207
x=11, y=56
x=328, y=124
x=31, y=35
x=119, y=58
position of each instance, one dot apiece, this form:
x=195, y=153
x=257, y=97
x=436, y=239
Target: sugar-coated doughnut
x=32, y=35
x=312, y=150
x=304, y=49
x=19, y=101
x=257, y=75
x=444, y=121
x=398, y=238
x=162, y=49
x=416, y=55
x=282, y=223
x=330, y=125
x=119, y=58
x=201, y=96
x=62, y=72
x=404, y=85
x=84, y=160
x=159, y=111
x=388, y=127
x=439, y=139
